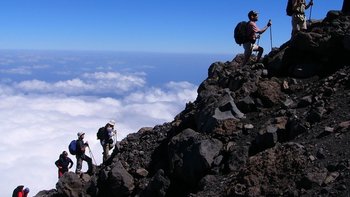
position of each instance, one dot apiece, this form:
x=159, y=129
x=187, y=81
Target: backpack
x=72, y=147
x=240, y=32
x=101, y=133
x=289, y=8
x=18, y=189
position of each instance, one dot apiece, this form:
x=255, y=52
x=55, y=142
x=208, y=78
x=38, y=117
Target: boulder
x=120, y=181
x=246, y=105
x=191, y=156
x=269, y=92
x=71, y=185
x=158, y=186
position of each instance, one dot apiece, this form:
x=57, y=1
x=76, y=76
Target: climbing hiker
x=296, y=9
x=81, y=156
x=253, y=34
x=20, y=192
x=105, y=135
x=64, y=163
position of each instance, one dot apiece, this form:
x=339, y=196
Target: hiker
x=81, y=156
x=20, y=192
x=253, y=33
x=105, y=135
x=63, y=163
x=298, y=15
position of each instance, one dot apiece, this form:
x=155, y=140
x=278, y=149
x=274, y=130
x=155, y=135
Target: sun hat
x=111, y=122
x=252, y=13
x=80, y=134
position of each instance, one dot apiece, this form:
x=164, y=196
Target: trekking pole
x=256, y=52
x=271, y=36
x=310, y=14
x=92, y=156
x=116, y=141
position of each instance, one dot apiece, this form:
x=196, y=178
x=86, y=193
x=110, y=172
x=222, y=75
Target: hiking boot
x=252, y=60
x=79, y=174
x=91, y=171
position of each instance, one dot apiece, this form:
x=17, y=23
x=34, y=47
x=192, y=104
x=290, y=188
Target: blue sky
x=57, y=78
x=153, y=26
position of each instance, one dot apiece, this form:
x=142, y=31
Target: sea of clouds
x=43, y=107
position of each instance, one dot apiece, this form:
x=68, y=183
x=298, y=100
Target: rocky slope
x=282, y=129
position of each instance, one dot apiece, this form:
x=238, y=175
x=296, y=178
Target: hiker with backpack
x=105, y=135
x=64, y=163
x=20, y=192
x=80, y=154
x=253, y=33
x=296, y=9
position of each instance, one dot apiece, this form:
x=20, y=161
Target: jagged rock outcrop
x=252, y=131
x=321, y=50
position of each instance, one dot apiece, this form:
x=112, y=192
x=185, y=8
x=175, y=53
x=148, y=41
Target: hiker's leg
x=260, y=52
x=303, y=25
x=89, y=162
x=59, y=173
x=64, y=170
x=295, y=26
x=247, y=52
x=105, y=152
x=79, y=164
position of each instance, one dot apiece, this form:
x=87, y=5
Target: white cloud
x=112, y=83
x=18, y=70
x=36, y=126
x=173, y=92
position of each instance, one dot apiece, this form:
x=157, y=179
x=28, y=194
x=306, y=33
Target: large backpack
x=72, y=147
x=18, y=189
x=240, y=32
x=289, y=9
x=101, y=133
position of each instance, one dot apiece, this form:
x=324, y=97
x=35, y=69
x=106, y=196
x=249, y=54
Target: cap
x=111, y=122
x=26, y=190
x=65, y=153
x=252, y=13
x=80, y=134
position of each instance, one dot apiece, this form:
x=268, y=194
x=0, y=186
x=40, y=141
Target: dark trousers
x=106, y=148
x=80, y=159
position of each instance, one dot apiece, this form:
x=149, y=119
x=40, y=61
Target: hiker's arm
x=57, y=163
x=311, y=3
x=265, y=28
x=71, y=163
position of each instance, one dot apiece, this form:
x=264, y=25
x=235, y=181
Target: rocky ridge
x=281, y=128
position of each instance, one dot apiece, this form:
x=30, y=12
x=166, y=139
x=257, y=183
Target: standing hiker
x=63, y=163
x=297, y=10
x=105, y=135
x=252, y=34
x=81, y=156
